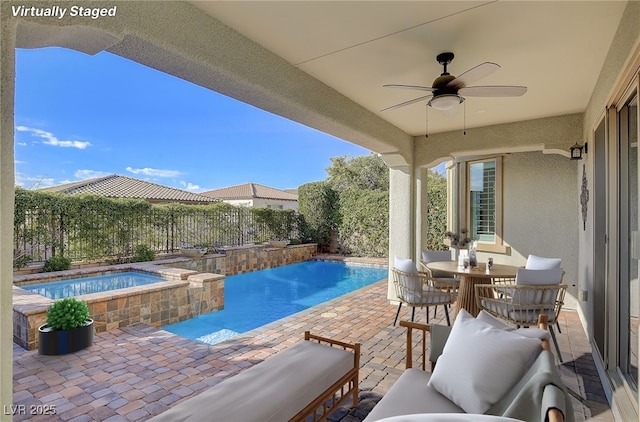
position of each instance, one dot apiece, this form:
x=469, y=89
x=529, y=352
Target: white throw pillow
x=525, y=332
x=480, y=363
x=405, y=265
x=485, y=316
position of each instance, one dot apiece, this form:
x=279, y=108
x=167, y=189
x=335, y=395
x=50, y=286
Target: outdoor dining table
x=469, y=277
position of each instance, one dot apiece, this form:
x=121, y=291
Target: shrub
x=67, y=314
x=143, y=253
x=56, y=263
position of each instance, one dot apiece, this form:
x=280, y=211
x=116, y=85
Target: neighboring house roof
x=250, y=191
x=116, y=186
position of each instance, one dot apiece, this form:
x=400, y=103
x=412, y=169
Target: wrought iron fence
x=90, y=227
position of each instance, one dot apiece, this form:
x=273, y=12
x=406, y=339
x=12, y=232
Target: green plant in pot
x=69, y=328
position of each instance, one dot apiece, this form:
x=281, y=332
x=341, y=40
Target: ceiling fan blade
x=418, y=87
x=406, y=103
x=474, y=74
x=493, y=91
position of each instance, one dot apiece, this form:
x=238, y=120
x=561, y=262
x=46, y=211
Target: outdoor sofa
x=478, y=367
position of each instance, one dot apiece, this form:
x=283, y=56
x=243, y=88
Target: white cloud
x=89, y=174
x=30, y=182
x=190, y=186
x=51, y=139
x=155, y=172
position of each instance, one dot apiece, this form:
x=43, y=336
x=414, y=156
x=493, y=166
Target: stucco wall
x=541, y=211
x=626, y=41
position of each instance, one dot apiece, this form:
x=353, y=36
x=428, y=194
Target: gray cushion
x=274, y=390
x=437, y=256
x=411, y=394
x=541, y=263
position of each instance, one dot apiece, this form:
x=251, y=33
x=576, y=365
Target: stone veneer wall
x=260, y=257
x=184, y=295
x=244, y=259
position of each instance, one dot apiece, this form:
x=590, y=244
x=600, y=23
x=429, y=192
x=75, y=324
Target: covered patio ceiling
x=556, y=49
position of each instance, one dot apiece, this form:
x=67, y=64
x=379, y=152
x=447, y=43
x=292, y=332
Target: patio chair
x=536, y=292
x=416, y=289
x=445, y=281
x=535, y=262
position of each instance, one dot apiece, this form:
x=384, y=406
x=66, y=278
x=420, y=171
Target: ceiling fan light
x=445, y=101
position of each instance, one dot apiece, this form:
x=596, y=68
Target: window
x=482, y=201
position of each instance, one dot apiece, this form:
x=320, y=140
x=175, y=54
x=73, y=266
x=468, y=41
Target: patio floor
x=135, y=372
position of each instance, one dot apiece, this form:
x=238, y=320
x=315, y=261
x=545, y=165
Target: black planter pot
x=61, y=342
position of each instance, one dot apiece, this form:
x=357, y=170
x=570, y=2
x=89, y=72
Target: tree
x=354, y=203
x=367, y=172
x=318, y=204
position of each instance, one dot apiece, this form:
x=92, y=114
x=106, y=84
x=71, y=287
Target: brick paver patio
x=136, y=372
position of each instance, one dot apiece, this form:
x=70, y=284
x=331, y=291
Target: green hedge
x=83, y=227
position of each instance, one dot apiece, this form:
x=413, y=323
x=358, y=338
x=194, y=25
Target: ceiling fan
x=448, y=91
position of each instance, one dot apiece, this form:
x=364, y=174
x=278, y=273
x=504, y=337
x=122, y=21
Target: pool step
x=217, y=336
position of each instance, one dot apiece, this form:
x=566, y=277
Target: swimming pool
x=95, y=284
x=254, y=299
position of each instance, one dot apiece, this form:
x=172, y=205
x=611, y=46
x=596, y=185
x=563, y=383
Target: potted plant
x=68, y=329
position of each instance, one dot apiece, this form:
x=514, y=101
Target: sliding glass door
x=628, y=293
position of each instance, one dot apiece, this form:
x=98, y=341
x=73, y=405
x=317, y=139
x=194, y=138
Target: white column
x=7, y=182
x=421, y=210
x=401, y=217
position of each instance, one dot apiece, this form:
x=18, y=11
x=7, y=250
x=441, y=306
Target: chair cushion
x=541, y=263
x=526, y=277
x=405, y=265
x=480, y=363
x=274, y=390
x=432, y=296
x=411, y=394
x=437, y=256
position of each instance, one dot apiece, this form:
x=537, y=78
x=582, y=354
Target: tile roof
x=250, y=191
x=116, y=186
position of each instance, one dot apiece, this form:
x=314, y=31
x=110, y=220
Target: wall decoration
x=584, y=197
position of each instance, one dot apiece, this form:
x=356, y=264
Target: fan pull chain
x=464, y=118
x=426, y=121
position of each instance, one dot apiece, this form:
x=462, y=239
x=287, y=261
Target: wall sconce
x=576, y=151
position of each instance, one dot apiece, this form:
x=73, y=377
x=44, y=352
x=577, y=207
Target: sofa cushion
x=411, y=394
x=273, y=390
x=480, y=363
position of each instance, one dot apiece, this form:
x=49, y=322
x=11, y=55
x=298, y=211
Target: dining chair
x=442, y=280
x=416, y=289
x=535, y=292
x=535, y=262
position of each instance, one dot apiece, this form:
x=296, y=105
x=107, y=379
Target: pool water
x=254, y=299
x=96, y=284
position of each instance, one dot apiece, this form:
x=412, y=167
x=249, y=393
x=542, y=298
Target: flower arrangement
x=459, y=241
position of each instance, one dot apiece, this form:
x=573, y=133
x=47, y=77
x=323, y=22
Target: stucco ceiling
x=556, y=49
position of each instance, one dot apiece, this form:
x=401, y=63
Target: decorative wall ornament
x=584, y=197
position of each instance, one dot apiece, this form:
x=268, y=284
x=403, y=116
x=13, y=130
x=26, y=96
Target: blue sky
x=79, y=116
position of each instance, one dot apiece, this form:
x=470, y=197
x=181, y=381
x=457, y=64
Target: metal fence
x=97, y=229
